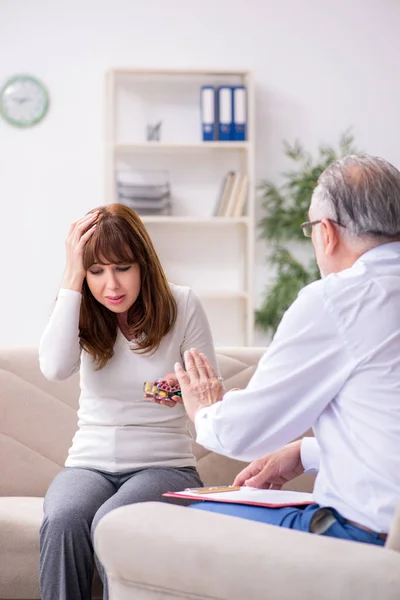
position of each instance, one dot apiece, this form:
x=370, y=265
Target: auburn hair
x=120, y=238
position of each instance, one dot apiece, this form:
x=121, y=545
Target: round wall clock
x=24, y=101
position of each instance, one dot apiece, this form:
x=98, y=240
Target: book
x=220, y=197
x=246, y=495
x=234, y=191
x=225, y=113
x=225, y=194
x=208, y=113
x=232, y=195
x=239, y=102
x=241, y=197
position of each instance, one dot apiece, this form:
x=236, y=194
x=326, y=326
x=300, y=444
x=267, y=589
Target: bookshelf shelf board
x=118, y=72
x=223, y=295
x=158, y=147
x=199, y=221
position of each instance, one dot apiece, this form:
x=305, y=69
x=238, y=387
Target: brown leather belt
x=381, y=536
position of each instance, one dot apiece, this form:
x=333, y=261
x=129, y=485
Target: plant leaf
x=285, y=209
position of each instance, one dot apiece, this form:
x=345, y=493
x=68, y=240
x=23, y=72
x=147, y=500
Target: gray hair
x=362, y=192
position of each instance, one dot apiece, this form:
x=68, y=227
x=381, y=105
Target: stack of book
x=233, y=195
x=146, y=192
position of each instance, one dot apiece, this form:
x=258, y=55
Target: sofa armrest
x=156, y=550
x=393, y=540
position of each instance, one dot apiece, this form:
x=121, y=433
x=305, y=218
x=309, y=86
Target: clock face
x=24, y=101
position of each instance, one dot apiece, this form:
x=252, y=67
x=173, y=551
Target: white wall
x=320, y=66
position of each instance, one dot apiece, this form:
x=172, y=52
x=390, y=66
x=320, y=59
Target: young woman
x=120, y=323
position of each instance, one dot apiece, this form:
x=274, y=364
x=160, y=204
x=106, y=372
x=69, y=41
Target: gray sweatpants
x=74, y=504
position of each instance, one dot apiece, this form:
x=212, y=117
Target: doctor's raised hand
x=199, y=384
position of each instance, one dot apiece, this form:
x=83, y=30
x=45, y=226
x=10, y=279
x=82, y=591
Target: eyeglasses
x=308, y=225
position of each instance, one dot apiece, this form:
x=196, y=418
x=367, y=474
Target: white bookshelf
x=213, y=255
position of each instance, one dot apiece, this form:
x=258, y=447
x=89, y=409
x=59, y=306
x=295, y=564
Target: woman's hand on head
x=78, y=235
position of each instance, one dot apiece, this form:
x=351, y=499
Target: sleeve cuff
x=310, y=455
x=200, y=415
x=204, y=424
x=67, y=293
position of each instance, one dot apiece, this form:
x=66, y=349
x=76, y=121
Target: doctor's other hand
x=272, y=471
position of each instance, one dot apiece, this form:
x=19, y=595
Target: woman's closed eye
x=123, y=269
x=120, y=269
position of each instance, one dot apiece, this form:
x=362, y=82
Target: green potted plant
x=285, y=209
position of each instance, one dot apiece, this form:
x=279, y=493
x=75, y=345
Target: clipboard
x=243, y=495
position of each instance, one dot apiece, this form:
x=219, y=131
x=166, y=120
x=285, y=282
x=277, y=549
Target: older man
x=334, y=364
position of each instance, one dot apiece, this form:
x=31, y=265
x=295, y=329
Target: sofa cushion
x=20, y=520
x=38, y=420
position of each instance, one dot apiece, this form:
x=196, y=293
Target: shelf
x=160, y=147
x=223, y=295
x=174, y=72
x=165, y=220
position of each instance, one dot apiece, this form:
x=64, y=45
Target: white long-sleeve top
x=334, y=364
x=118, y=429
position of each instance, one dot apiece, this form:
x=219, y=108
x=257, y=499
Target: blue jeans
x=293, y=517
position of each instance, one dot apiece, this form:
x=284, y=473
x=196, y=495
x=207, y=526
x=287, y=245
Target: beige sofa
x=37, y=423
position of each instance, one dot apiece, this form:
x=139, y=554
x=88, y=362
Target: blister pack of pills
x=161, y=389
